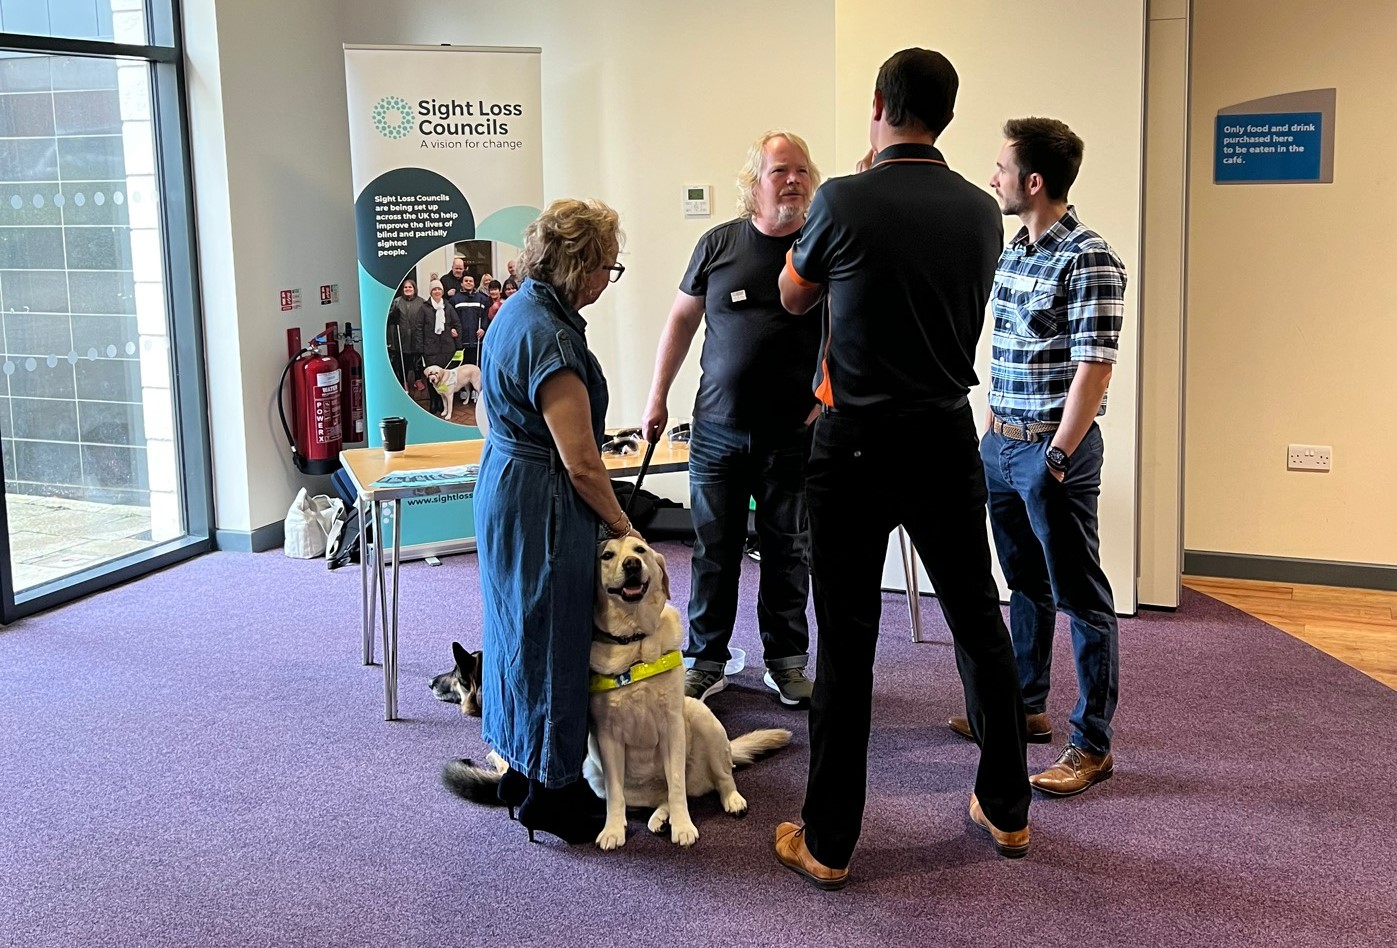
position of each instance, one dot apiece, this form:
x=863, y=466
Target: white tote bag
x=308, y=523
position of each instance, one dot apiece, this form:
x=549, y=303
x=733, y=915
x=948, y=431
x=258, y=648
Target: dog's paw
x=658, y=819
x=683, y=833
x=611, y=837
x=735, y=804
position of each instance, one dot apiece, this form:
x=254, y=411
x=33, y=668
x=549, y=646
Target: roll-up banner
x=446, y=152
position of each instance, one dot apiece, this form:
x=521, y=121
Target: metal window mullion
x=62, y=46
x=174, y=178
x=162, y=22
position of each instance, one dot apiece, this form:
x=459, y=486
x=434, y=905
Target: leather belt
x=1032, y=431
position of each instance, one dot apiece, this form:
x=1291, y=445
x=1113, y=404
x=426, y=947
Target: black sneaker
x=701, y=684
x=791, y=685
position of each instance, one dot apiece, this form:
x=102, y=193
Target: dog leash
x=640, y=478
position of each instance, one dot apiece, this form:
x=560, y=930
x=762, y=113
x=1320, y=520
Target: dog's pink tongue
x=634, y=590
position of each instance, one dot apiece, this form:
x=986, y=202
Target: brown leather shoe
x=795, y=856
x=1013, y=845
x=1040, y=729
x=1074, y=771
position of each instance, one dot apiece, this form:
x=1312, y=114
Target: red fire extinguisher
x=315, y=405
x=353, y=428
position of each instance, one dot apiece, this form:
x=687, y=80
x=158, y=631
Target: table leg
x=914, y=592
x=390, y=675
x=381, y=582
x=366, y=594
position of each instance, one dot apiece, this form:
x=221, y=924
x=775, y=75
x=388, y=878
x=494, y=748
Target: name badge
x=1024, y=284
x=739, y=295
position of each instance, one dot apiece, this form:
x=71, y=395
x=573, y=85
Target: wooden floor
x=1356, y=626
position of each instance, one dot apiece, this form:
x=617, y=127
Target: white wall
x=270, y=148
x=1011, y=58
x=639, y=99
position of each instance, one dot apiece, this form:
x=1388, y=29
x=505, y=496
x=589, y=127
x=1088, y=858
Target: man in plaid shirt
x=1058, y=305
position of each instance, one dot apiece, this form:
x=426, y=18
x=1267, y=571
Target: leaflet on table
x=432, y=477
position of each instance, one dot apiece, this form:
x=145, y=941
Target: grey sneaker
x=701, y=684
x=791, y=685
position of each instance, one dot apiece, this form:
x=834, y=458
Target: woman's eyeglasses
x=616, y=270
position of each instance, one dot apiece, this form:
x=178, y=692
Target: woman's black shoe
x=573, y=813
x=513, y=789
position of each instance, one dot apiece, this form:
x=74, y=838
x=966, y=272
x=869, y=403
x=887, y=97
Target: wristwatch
x=1057, y=459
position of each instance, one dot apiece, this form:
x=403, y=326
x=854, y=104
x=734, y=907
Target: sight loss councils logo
x=392, y=117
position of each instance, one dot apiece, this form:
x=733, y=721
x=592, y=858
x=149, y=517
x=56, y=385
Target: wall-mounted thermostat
x=697, y=200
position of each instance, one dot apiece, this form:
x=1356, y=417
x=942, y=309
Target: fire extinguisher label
x=326, y=397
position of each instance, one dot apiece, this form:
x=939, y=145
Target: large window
x=101, y=415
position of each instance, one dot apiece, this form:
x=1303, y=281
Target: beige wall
x=1003, y=75
x=1292, y=323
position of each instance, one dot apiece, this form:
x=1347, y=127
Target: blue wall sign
x=1268, y=146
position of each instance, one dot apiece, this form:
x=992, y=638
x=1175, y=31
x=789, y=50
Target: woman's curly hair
x=568, y=241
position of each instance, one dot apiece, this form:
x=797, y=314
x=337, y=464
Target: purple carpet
x=199, y=759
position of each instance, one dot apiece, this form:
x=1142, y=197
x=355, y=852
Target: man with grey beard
x=749, y=433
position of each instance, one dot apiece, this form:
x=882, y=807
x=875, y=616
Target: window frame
x=184, y=316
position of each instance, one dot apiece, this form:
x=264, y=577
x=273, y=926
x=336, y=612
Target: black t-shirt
x=758, y=359
x=907, y=251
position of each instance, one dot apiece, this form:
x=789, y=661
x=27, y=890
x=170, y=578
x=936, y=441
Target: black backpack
x=342, y=543
x=658, y=518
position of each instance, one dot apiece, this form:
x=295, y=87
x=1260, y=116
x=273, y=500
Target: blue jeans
x=727, y=466
x=1045, y=533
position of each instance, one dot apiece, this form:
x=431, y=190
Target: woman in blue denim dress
x=544, y=493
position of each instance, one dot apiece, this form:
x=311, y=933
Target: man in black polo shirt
x=749, y=436
x=908, y=250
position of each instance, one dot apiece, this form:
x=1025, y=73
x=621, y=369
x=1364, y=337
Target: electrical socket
x=1308, y=457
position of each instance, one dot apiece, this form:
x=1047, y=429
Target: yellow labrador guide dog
x=650, y=746
x=450, y=381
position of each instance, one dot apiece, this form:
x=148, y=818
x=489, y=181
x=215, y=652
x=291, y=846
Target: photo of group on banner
x=438, y=320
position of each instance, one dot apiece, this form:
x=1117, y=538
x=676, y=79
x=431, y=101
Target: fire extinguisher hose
x=280, y=398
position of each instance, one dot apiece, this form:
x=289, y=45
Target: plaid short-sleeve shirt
x=1056, y=302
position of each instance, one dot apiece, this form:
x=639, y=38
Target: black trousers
x=860, y=486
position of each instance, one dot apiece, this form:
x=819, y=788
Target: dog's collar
x=621, y=639
x=637, y=672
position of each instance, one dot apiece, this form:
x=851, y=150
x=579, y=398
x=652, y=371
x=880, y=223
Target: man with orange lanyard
x=907, y=251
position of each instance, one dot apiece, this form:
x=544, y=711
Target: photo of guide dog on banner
x=438, y=319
